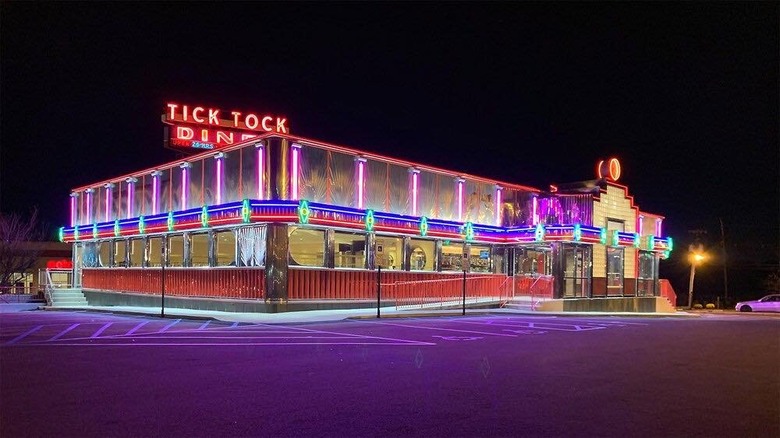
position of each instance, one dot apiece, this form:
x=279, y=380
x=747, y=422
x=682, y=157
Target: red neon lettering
x=183, y=133
x=204, y=135
x=280, y=125
x=213, y=116
x=235, y=118
x=185, y=112
x=172, y=107
x=269, y=119
x=247, y=136
x=195, y=114
x=247, y=121
x=223, y=137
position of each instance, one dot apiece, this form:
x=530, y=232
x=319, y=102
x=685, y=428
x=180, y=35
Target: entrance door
x=78, y=255
x=576, y=271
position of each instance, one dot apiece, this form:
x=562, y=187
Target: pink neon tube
x=219, y=181
x=535, y=217
x=460, y=200
x=108, y=204
x=498, y=207
x=260, y=173
x=89, y=207
x=130, y=199
x=72, y=211
x=155, y=183
x=184, y=186
x=294, y=194
x=360, y=184
x=414, y=193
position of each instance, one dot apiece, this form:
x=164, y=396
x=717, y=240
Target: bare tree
x=17, y=256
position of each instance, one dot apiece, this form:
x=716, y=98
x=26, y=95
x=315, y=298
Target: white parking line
x=101, y=330
x=169, y=326
x=205, y=324
x=361, y=336
x=134, y=329
x=445, y=329
x=62, y=333
x=23, y=335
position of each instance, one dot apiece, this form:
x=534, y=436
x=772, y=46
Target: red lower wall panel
x=327, y=284
x=541, y=286
x=238, y=283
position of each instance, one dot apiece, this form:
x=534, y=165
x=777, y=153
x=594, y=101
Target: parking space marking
x=24, y=335
x=101, y=330
x=62, y=333
x=445, y=329
x=164, y=329
x=205, y=324
x=135, y=329
x=407, y=341
x=556, y=326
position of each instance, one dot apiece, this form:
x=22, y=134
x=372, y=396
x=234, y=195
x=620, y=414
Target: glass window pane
x=451, y=256
x=154, y=254
x=307, y=247
x=176, y=250
x=534, y=261
x=615, y=269
x=349, y=250
x=389, y=252
x=226, y=248
x=105, y=254
x=422, y=255
x=251, y=246
x=90, y=258
x=119, y=253
x=137, y=249
x=479, y=258
x=199, y=249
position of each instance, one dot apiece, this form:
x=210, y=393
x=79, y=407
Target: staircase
x=66, y=298
x=522, y=303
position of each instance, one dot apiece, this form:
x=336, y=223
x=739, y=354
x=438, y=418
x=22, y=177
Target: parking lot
x=90, y=374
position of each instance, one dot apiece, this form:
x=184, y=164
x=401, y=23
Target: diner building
x=268, y=221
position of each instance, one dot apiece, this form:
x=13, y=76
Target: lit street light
x=697, y=256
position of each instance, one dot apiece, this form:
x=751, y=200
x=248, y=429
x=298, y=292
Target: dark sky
x=686, y=94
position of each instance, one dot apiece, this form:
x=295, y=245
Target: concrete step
x=68, y=298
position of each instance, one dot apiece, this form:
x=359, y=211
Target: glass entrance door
x=576, y=271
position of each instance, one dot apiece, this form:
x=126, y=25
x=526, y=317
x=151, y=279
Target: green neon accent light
x=304, y=212
x=116, y=228
x=204, y=216
x=246, y=213
x=615, y=238
x=61, y=234
x=603, y=236
x=667, y=254
x=670, y=245
x=94, y=231
x=636, y=240
x=370, y=221
x=170, y=220
x=577, y=233
x=539, y=233
x=76, y=233
x=651, y=242
x=423, y=226
x=468, y=231
x=141, y=225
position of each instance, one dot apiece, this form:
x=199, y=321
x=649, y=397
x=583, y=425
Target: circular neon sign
x=609, y=169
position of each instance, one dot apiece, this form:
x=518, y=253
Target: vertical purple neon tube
x=294, y=172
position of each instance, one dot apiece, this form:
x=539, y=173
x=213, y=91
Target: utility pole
x=725, y=263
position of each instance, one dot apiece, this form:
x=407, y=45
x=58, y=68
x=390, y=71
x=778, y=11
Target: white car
x=770, y=303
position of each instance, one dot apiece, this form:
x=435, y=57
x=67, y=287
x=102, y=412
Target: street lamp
x=697, y=257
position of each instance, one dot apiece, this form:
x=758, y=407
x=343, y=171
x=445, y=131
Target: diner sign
x=200, y=127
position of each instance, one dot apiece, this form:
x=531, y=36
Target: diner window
x=90, y=258
x=614, y=271
x=479, y=258
x=422, y=255
x=389, y=252
x=199, y=249
x=251, y=246
x=176, y=251
x=451, y=256
x=534, y=261
x=105, y=254
x=499, y=260
x=349, y=250
x=120, y=253
x=647, y=274
x=307, y=247
x=154, y=252
x=225, y=248
x=137, y=249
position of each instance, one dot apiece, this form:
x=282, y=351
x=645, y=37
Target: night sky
x=686, y=95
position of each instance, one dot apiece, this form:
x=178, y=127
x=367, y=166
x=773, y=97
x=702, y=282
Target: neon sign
x=609, y=169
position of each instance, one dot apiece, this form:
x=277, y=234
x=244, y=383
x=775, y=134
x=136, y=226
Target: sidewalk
x=335, y=315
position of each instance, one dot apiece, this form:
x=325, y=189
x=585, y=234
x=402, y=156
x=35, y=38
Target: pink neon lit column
x=260, y=170
x=415, y=185
x=640, y=225
x=535, y=215
x=89, y=193
x=498, y=205
x=155, y=190
x=185, y=184
x=460, y=182
x=361, y=172
x=130, y=196
x=658, y=227
x=73, y=208
x=219, y=157
x=109, y=191
x=296, y=152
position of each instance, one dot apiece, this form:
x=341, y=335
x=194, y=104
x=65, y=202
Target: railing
x=54, y=278
x=667, y=291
